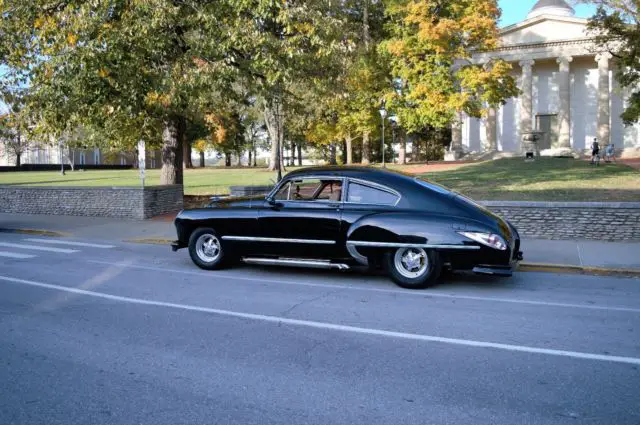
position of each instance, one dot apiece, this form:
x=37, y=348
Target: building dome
x=551, y=7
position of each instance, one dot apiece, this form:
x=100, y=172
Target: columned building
x=569, y=94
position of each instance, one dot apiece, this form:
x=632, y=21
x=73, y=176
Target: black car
x=338, y=217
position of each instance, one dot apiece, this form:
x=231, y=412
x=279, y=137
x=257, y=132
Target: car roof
x=364, y=172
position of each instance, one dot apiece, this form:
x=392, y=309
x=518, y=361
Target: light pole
x=383, y=115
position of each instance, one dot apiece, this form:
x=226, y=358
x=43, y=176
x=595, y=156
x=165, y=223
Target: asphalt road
x=135, y=334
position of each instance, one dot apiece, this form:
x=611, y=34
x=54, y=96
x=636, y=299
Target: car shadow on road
x=376, y=278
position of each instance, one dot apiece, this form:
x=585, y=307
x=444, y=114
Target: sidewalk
x=596, y=254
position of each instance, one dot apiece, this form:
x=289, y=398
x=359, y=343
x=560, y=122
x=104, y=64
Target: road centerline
x=69, y=243
x=330, y=326
x=424, y=294
x=38, y=248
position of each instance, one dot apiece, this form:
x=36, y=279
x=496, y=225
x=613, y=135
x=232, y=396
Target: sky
x=516, y=10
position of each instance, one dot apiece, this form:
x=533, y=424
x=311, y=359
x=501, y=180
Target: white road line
x=334, y=327
x=70, y=243
x=38, y=248
x=422, y=294
x=15, y=255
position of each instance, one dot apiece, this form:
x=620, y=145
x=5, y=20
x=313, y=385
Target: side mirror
x=271, y=200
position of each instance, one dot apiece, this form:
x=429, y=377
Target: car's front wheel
x=205, y=249
x=412, y=267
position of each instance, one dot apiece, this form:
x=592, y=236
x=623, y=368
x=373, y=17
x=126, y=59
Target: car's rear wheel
x=206, y=250
x=412, y=267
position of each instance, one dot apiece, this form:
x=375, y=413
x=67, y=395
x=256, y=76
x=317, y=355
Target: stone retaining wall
x=572, y=220
x=120, y=202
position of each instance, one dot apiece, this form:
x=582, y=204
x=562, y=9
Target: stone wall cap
x=533, y=204
x=37, y=187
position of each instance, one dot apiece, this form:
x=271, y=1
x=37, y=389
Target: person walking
x=595, y=152
x=610, y=153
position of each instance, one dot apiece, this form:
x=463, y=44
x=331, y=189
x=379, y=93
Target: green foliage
x=430, y=48
x=616, y=24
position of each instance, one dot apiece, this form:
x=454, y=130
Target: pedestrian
x=610, y=153
x=595, y=152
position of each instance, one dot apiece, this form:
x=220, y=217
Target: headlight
x=489, y=239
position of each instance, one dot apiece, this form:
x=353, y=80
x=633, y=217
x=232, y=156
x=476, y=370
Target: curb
x=566, y=268
x=150, y=241
x=37, y=232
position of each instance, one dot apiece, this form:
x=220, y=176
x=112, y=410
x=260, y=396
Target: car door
x=361, y=199
x=303, y=218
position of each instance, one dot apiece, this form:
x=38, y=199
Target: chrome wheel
x=411, y=262
x=208, y=248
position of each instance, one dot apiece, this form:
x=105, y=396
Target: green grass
x=545, y=179
x=208, y=181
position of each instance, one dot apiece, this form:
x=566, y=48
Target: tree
x=616, y=25
x=13, y=136
x=430, y=46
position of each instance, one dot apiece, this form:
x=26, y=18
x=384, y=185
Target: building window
x=96, y=156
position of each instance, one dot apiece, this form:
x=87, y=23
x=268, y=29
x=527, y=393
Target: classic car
x=341, y=217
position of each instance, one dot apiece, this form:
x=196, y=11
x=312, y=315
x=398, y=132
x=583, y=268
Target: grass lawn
x=546, y=179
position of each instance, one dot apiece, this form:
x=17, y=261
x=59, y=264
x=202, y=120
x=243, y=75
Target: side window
x=363, y=194
x=314, y=189
x=283, y=193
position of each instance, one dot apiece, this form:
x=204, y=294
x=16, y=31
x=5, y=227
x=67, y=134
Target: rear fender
x=372, y=235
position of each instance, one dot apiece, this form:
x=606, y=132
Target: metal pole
x=383, y=163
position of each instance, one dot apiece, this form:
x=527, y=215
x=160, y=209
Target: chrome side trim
x=353, y=251
x=318, y=264
x=408, y=245
x=277, y=240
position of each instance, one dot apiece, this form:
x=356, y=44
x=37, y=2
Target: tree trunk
x=299, y=154
x=172, y=139
x=250, y=158
x=273, y=121
x=186, y=155
x=365, y=25
x=292, y=158
x=402, y=152
x=202, y=159
x=365, y=148
x=415, y=151
x=349, y=148
x=239, y=159
x=255, y=159
x=227, y=159
x=332, y=154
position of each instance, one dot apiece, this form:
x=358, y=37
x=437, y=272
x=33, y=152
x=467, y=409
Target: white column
x=526, y=98
x=604, y=99
x=491, y=130
x=564, y=111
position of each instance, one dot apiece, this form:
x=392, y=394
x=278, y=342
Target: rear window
x=364, y=194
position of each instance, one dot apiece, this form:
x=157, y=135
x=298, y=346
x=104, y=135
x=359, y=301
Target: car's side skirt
x=409, y=245
x=278, y=240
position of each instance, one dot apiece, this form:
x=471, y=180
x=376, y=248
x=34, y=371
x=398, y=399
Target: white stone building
x=569, y=92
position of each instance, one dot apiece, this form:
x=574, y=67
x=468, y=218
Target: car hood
x=236, y=201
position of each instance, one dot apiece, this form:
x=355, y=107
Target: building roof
x=551, y=7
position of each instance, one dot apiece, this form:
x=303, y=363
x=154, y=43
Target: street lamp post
x=383, y=115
